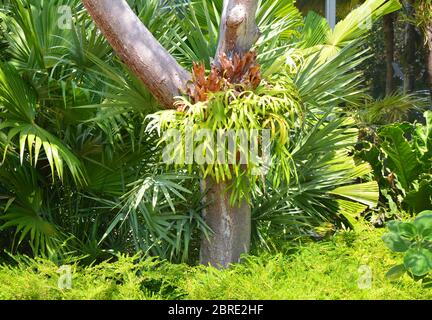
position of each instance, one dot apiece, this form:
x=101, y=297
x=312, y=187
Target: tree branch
x=139, y=50
x=238, y=29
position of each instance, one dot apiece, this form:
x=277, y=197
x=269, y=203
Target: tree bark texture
x=389, y=38
x=429, y=57
x=231, y=226
x=238, y=30
x=409, y=50
x=139, y=50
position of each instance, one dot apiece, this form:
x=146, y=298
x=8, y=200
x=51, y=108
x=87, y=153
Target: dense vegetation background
x=81, y=176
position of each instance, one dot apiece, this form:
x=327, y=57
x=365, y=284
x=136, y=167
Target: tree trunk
x=166, y=79
x=409, y=51
x=238, y=30
x=231, y=225
x=390, y=49
x=429, y=58
x=139, y=50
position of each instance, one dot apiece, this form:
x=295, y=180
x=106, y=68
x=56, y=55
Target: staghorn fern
x=274, y=107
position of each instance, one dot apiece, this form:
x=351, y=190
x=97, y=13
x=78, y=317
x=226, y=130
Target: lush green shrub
x=126, y=278
x=323, y=270
x=335, y=269
x=401, y=156
x=414, y=239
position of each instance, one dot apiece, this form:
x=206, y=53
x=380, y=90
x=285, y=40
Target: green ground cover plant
x=332, y=269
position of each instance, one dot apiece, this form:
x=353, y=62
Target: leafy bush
x=414, y=239
x=401, y=156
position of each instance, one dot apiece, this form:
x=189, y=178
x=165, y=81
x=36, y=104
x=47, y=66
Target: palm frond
x=392, y=108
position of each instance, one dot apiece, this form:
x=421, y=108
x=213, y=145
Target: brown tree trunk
x=238, y=30
x=429, y=58
x=231, y=225
x=390, y=50
x=166, y=79
x=409, y=50
x=140, y=51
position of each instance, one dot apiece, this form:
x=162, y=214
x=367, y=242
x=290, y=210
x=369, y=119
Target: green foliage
x=128, y=278
x=402, y=166
x=328, y=270
x=359, y=21
x=323, y=84
x=73, y=145
x=352, y=29
x=80, y=176
x=274, y=107
x=414, y=239
x=195, y=36
x=392, y=108
x=423, y=16
x=164, y=216
x=19, y=109
x=329, y=186
x=325, y=270
x=24, y=209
